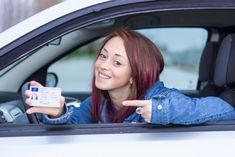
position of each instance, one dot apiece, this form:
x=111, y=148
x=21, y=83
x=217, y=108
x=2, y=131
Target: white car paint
x=43, y=18
x=190, y=144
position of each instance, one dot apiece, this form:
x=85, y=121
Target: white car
x=57, y=48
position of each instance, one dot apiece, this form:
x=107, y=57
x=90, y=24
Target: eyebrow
x=116, y=54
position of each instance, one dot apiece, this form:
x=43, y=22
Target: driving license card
x=45, y=96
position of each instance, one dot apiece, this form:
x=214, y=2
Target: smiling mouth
x=103, y=76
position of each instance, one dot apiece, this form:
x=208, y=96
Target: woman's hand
x=51, y=111
x=144, y=108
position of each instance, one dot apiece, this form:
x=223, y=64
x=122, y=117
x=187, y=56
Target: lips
x=103, y=75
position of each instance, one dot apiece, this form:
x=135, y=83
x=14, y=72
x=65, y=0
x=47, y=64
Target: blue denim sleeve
x=177, y=108
x=73, y=115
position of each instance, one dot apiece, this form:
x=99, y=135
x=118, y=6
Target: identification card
x=45, y=96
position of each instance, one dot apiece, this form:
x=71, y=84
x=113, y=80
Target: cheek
x=122, y=75
x=96, y=65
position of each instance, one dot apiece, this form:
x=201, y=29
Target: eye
x=117, y=63
x=102, y=56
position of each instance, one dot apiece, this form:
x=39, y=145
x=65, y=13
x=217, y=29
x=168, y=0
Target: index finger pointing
x=137, y=103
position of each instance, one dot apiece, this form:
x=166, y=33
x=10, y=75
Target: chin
x=101, y=86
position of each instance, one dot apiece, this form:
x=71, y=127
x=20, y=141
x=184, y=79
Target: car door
x=31, y=56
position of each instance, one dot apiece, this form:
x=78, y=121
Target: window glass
x=75, y=71
x=181, y=49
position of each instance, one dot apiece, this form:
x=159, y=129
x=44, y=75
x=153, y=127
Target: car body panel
x=123, y=140
x=192, y=144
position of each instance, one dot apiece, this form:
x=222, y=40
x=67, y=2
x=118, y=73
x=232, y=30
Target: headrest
x=225, y=62
x=207, y=61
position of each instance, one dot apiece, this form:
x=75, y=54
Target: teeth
x=103, y=76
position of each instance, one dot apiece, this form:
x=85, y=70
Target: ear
x=131, y=80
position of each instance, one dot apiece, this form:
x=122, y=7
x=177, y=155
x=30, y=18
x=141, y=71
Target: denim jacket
x=169, y=106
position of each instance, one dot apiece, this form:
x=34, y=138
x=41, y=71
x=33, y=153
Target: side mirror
x=52, y=79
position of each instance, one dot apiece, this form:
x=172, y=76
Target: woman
x=126, y=88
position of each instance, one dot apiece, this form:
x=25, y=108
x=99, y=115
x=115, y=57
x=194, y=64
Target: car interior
x=224, y=69
x=206, y=71
x=214, y=72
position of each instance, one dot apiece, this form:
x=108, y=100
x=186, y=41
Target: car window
x=181, y=49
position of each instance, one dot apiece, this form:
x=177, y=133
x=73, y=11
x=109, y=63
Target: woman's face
x=112, y=67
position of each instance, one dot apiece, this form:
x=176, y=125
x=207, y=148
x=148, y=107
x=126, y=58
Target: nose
x=105, y=65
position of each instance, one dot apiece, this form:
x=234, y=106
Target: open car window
x=181, y=49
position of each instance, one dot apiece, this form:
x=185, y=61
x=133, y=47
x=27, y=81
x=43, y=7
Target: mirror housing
x=51, y=79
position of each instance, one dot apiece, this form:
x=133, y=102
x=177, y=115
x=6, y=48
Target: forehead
x=115, y=45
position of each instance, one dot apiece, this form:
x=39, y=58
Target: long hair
x=146, y=64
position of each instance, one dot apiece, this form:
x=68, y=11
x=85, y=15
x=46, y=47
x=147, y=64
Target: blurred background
x=14, y=11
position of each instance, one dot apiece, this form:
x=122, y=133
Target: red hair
x=146, y=64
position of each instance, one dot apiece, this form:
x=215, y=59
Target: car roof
x=44, y=17
x=70, y=6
